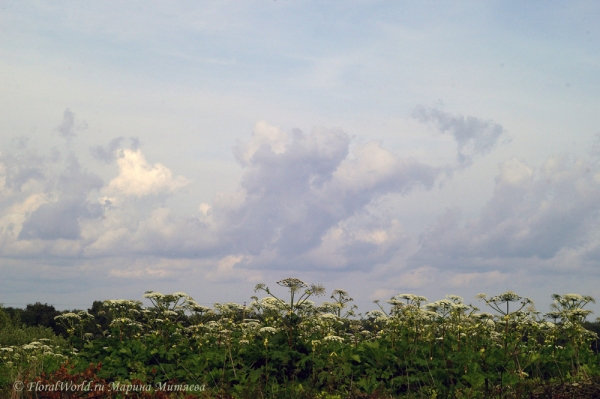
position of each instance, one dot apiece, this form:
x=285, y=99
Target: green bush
x=13, y=332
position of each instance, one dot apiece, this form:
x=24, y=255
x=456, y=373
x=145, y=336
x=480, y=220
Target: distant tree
x=5, y=319
x=40, y=314
x=14, y=314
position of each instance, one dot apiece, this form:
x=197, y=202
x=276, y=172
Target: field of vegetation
x=284, y=345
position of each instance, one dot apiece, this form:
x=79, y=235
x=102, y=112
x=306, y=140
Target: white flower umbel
x=333, y=338
x=268, y=330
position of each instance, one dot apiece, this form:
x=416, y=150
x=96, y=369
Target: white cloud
x=139, y=273
x=515, y=172
x=226, y=271
x=417, y=278
x=357, y=242
x=375, y=169
x=150, y=268
x=382, y=293
x=263, y=134
x=105, y=241
x=478, y=279
x=137, y=178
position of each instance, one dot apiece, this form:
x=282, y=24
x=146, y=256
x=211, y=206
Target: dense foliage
x=290, y=347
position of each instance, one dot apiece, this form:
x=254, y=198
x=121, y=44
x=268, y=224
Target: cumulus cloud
x=473, y=136
x=137, y=178
x=535, y=214
x=300, y=192
x=71, y=205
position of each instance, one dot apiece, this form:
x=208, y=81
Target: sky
x=380, y=147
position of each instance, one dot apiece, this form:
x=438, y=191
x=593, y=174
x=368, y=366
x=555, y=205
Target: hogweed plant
x=288, y=346
x=298, y=304
x=299, y=292
x=21, y=362
x=569, y=309
x=342, y=299
x=75, y=324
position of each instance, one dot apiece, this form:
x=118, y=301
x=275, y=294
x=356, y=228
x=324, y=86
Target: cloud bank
x=305, y=201
x=542, y=218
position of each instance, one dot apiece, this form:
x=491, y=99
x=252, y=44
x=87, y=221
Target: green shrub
x=12, y=332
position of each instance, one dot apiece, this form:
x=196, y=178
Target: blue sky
x=375, y=146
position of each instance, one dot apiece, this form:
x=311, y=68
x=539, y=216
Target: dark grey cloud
x=473, y=136
x=53, y=221
x=107, y=154
x=294, y=195
x=60, y=219
x=67, y=126
x=77, y=182
x=284, y=207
